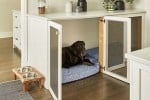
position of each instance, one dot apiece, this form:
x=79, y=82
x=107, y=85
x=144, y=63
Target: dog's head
x=79, y=48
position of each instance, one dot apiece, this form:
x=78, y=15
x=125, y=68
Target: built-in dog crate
x=114, y=33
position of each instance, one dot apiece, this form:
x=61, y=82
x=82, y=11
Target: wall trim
x=6, y=34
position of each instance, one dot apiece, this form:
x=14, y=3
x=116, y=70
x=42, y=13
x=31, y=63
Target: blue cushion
x=81, y=71
x=93, y=52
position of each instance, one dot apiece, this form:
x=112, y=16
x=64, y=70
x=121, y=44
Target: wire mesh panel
x=115, y=43
x=54, y=60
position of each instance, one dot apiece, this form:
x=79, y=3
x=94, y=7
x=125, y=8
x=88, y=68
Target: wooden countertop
x=82, y=15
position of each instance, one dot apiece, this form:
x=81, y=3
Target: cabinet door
x=139, y=81
x=54, y=57
x=117, y=42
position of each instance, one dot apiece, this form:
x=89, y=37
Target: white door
x=54, y=59
x=117, y=42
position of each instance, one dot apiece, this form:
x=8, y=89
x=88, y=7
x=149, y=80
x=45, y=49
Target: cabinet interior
x=88, y=31
x=136, y=30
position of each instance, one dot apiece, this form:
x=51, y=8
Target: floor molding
x=6, y=34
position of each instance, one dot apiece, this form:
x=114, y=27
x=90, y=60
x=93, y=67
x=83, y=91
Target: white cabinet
x=16, y=30
x=139, y=74
x=45, y=42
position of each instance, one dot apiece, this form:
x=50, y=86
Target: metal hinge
x=103, y=68
x=102, y=20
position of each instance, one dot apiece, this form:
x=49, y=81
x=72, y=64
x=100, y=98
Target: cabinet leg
x=40, y=83
x=15, y=77
x=25, y=85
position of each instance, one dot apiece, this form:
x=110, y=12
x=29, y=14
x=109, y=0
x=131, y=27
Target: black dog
x=74, y=54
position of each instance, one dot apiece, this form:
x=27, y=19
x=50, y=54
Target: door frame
x=59, y=33
x=128, y=26
x=24, y=38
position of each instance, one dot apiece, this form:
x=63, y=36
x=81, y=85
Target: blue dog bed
x=78, y=72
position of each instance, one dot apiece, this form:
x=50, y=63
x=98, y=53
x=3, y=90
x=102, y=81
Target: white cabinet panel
x=134, y=81
x=145, y=85
x=37, y=45
x=16, y=30
x=139, y=74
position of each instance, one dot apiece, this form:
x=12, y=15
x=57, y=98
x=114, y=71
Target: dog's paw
x=88, y=62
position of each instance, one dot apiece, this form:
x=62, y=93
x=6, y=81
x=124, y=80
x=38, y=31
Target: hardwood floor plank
x=97, y=87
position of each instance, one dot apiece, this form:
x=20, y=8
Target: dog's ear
x=77, y=43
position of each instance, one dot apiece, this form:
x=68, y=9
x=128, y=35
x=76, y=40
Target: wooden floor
x=97, y=87
x=10, y=58
x=121, y=71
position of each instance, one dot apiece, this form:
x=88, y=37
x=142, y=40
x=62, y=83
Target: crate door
x=54, y=57
x=117, y=37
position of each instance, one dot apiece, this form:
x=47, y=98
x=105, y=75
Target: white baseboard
x=6, y=34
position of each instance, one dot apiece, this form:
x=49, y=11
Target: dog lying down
x=74, y=55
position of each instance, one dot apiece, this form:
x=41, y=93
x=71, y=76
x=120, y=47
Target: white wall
x=82, y=29
x=6, y=7
x=144, y=4
x=147, y=2
x=59, y=5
